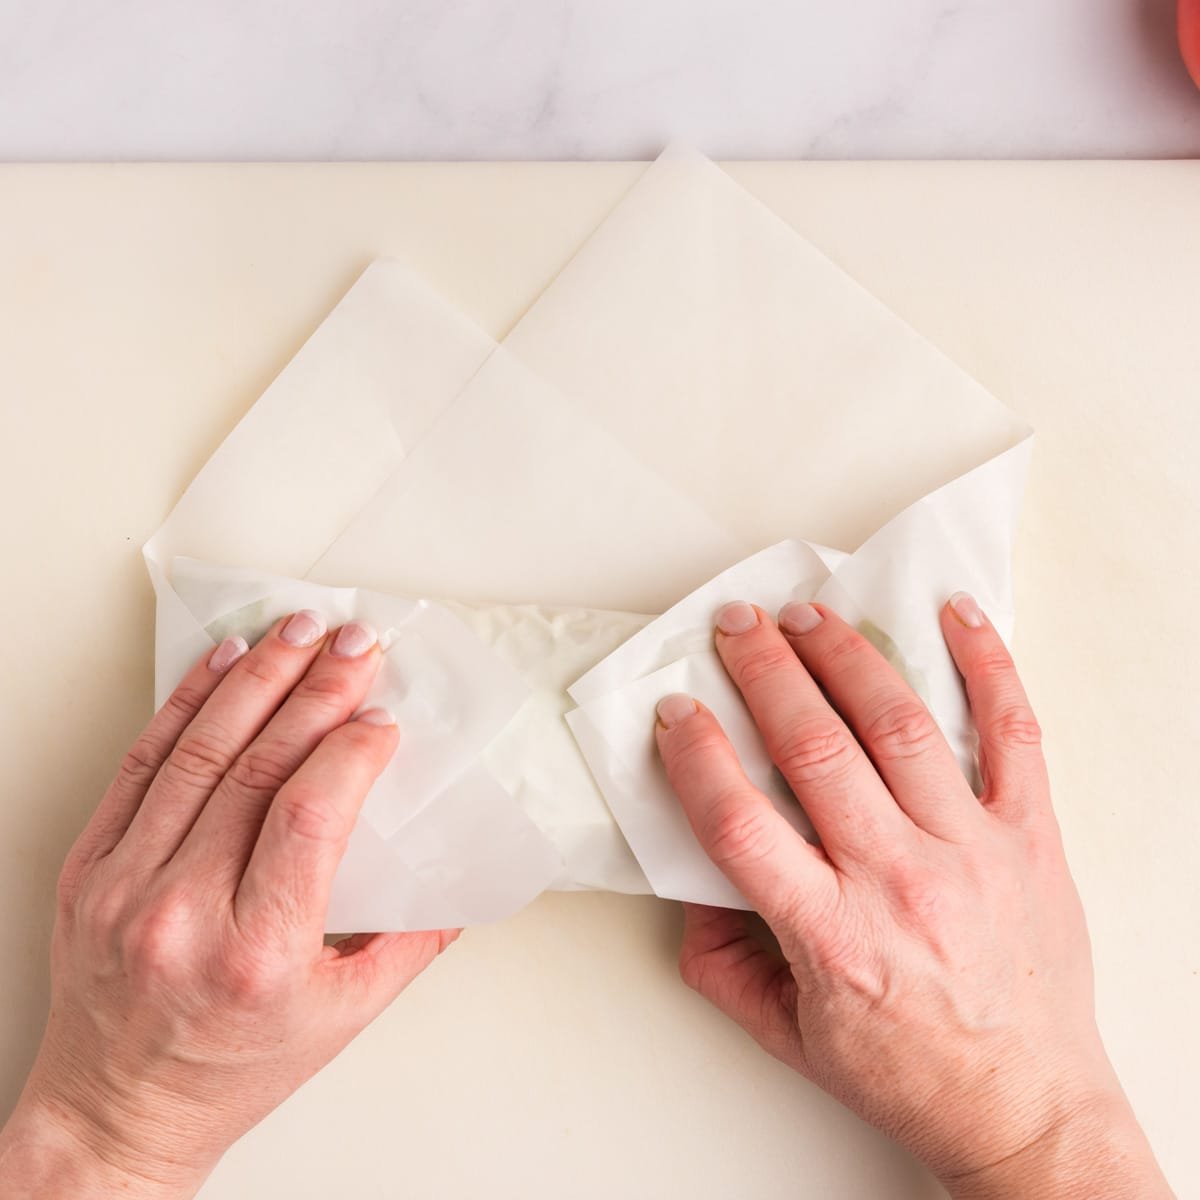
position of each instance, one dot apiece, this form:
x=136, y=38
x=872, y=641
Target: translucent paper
x=698, y=383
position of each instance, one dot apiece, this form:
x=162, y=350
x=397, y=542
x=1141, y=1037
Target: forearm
x=1098, y=1151
x=43, y=1157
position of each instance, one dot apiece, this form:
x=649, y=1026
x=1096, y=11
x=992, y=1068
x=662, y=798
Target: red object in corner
x=1189, y=36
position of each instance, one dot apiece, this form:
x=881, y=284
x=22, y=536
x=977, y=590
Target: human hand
x=191, y=987
x=933, y=970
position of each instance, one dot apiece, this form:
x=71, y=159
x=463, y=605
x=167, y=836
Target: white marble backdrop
x=472, y=79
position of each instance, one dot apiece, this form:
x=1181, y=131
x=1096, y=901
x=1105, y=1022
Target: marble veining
x=576, y=79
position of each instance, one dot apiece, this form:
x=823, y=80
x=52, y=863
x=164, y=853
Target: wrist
x=48, y=1154
x=1089, y=1147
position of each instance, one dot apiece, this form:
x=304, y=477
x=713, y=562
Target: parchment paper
x=641, y=390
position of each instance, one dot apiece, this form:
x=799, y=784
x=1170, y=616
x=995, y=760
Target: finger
x=852, y=811
x=1189, y=36
x=148, y=753
x=243, y=702
x=773, y=867
x=888, y=718
x=219, y=844
x=374, y=968
x=1015, y=782
x=723, y=960
x=285, y=890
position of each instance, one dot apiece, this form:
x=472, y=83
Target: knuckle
x=994, y=664
x=324, y=689
x=261, y=769
x=185, y=702
x=1014, y=727
x=866, y=982
x=763, y=663
x=306, y=814
x=263, y=670
x=814, y=750
x=902, y=729
x=251, y=976
x=101, y=906
x=917, y=892
x=697, y=740
x=844, y=649
x=200, y=759
x=157, y=939
x=737, y=835
x=139, y=766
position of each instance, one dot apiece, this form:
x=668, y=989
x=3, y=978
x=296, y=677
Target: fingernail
x=226, y=654
x=967, y=610
x=797, y=618
x=674, y=709
x=376, y=716
x=354, y=638
x=304, y=629
x=735, y=618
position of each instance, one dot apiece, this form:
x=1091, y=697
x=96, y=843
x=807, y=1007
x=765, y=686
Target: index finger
x=780, y=874
x=287, y=882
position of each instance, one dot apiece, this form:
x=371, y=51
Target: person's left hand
x=191, y=987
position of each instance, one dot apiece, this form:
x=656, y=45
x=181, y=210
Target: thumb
x=723, y=960
x=374, y=968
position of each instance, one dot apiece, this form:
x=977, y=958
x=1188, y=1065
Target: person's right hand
x=933, y=970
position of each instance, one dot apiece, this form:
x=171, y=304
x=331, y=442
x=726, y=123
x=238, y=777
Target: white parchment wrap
x=502, y=512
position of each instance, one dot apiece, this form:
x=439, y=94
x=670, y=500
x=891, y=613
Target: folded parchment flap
x=694, y=324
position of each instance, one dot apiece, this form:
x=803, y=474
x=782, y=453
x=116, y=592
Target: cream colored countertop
x=143, y=309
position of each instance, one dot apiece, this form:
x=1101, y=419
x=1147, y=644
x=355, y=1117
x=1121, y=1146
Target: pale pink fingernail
x=304, y=629
x=797, y=618
x=377, y=716
x=354, y=638
x=674, y=709
x=735, y=618
x=226, y=654
x=967, y=610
